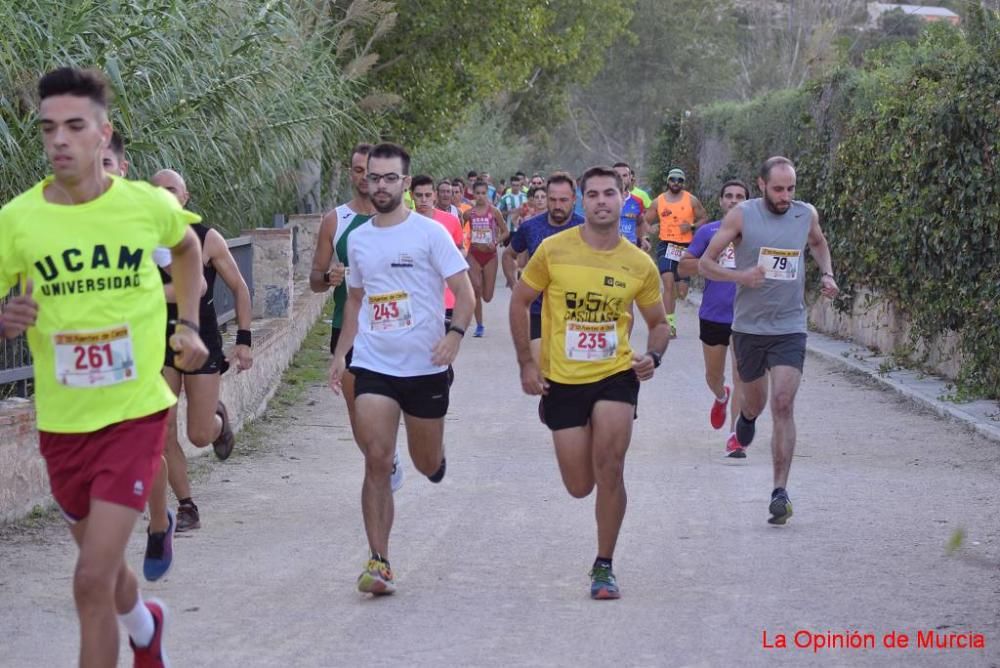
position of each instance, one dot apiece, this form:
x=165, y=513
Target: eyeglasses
x=675, y=180
x=390, y=178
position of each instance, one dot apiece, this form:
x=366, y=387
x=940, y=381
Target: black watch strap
x=457, y=330
x=657, y=358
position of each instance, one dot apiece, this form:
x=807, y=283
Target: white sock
x=139, y=624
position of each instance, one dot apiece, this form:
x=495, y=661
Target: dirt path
x=492, y=563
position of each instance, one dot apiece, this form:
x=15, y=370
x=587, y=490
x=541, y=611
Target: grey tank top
x=778, y=242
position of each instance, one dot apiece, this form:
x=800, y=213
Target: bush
x=900, y=158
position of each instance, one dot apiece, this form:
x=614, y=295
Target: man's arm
x=218, y=253
x=187, y=277
x=659, y=331
x=532, y=381
x=651, y=218
x=709, y=267
x=688, y=265
x=323, y=255
x=700, y=215
x=820, y=251
x=502, y=226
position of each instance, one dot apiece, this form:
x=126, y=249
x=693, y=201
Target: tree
x=444, y=58
x=676, y=54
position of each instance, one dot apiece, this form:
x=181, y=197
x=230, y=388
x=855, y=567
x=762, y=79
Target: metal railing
x=225, y=300
x=16, y=373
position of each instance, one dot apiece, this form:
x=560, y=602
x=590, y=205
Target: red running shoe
x=718, y=414
x=153, y=656
x=734, y=449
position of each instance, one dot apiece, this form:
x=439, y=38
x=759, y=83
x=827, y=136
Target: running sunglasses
x=675, y=180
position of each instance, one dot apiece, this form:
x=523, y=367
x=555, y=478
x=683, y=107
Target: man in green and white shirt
x=512, y=201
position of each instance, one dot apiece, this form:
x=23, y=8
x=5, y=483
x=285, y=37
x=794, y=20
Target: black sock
x=746, y=419
x=745, y=430
x=777, y=491
x=602, y=562
x=438, y=476
x=188, y=501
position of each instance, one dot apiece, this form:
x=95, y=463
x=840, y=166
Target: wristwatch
x=457, y=330
x=326, y=277
x=657, y=358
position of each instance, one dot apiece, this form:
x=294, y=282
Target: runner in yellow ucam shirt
x=589, y=375
x=80, y=243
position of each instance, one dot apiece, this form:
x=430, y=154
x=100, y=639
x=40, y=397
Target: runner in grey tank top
x=770, y=236
x=777, y=242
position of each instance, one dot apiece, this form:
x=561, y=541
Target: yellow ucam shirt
x=98, y=344
x=586, y=304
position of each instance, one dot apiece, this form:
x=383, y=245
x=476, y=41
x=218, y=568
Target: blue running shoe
x=603, y=585
x=780, y=507
x=159, y=551
x=480, y=330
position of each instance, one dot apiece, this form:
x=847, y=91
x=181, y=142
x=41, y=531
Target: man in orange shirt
x=677, y=213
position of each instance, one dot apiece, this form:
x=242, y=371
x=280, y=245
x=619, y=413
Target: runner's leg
x=476, y=276
x=736, y=397
x=203, y=423
x=158, y=521
x=176, y=461
x=669, y=299
x=576, y=462
x=347, y=389
x=489, y=280
x=102, y=538
x=611, y=433
x=378, y=425
x=784, y=386
x=715, y=369
x=425, y=437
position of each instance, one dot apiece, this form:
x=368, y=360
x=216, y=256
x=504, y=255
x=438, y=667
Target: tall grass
x=234, y=94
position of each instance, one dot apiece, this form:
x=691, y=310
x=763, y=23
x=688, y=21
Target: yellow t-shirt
x=98, y=345
x=586, y=304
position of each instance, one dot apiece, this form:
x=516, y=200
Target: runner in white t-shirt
x=400, y=264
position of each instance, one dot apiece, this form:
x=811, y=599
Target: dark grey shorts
x=757, y=354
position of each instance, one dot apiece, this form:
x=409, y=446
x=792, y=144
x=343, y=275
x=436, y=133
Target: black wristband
x=186, y=323
x=457, y=330
x=657, y=358
x=244, y=338
x=326, y=277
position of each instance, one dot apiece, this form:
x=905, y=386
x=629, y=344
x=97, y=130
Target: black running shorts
x=758, y=353
x=567, y=406
x=418, y=396
x=714, y=333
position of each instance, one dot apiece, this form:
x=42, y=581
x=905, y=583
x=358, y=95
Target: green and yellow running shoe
x=377, y=579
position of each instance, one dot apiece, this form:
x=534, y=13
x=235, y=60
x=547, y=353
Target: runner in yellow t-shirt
x=81, y=243
x=589, y=375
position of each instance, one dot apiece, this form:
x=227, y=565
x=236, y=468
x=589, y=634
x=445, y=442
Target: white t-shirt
x=402, y=270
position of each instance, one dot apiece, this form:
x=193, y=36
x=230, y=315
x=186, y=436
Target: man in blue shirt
x=633, y=226
x=561, y=191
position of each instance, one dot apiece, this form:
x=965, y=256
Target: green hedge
x=900, y=158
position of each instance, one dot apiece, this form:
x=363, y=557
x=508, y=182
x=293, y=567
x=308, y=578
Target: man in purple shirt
x=716, y=318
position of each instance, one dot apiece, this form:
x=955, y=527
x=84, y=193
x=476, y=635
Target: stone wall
x=880, y=325
x=292, y=310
